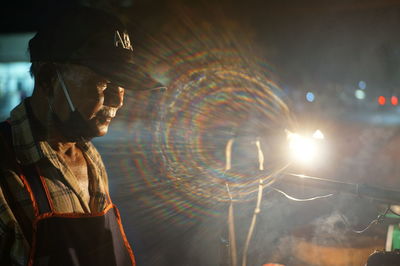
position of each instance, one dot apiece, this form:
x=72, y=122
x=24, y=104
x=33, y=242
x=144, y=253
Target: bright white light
x=318, y=135
x=302, y=149
x=359, y=94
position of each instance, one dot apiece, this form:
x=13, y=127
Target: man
x=54, y=203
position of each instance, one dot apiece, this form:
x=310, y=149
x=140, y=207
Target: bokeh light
x=394, y=100
x=359, y=94
x=310, y=97
x=362, y=85
x=381, y=100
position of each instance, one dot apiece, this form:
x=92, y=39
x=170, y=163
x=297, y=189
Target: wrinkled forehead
x=80, y=73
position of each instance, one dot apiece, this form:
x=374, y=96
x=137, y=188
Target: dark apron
x=80, y=239
x=69, y=239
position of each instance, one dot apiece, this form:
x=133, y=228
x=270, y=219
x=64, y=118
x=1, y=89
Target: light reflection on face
x=95, y=98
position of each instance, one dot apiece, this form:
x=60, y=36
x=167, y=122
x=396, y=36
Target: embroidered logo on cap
x=123, y=40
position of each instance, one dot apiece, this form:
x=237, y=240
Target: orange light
x=395, y=100
x=381, y=100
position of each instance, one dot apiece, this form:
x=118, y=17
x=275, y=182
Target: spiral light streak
x=218, y=90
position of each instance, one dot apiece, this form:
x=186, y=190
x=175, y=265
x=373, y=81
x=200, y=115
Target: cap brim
x=127, y=75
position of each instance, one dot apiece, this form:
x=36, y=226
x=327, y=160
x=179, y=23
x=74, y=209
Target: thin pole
x=232, y=233
x=253, y=223
x=231, y=220
x=258, y=205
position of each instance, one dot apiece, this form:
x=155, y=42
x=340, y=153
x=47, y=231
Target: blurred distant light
x=310, y=96
x=394, y=100
x=360, y=94
x=318, y=135
x=362, y=85
x=15, y=84
x=381, y=100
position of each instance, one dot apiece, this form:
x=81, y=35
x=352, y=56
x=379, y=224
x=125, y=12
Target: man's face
x=94, y=97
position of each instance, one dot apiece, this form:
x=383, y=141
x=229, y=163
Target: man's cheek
x=93, y=108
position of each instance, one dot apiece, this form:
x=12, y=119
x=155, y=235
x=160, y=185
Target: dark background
x=325, y=41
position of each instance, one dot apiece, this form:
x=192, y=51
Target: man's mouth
x=105, y=116
x=105, y=119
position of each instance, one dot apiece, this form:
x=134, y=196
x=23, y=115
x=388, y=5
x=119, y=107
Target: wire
x=378, y=219
x=395, y=213
x=297, y=199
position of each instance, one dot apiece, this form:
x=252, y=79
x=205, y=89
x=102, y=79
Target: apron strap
x=33, y=179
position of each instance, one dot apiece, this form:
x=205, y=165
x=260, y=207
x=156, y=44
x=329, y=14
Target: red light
x=381, y=100
x=395, y=100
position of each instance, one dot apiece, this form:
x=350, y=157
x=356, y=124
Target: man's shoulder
x=8, y=163
x=11, y=176
x=24, y=137
x=6, y=155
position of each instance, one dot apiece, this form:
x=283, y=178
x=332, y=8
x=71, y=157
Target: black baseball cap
x=93, y=38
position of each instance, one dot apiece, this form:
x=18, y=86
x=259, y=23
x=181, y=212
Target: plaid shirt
x=65, y=192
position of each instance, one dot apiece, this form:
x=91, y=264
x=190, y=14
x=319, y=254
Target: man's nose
x=114, y=96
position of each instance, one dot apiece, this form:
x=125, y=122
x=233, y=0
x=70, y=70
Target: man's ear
x=45, y=77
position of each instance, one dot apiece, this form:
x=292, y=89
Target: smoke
x=330, y=230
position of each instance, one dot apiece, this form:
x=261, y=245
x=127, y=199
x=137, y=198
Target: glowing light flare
x=301, y=149
x=304, y=149
x=318, y=134
x=195, y=129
